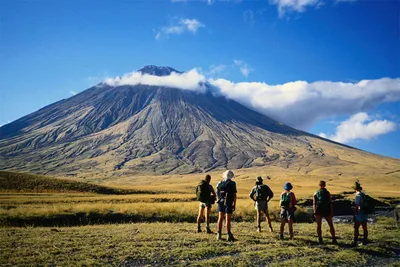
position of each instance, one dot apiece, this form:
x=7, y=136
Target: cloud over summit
x=299, y=104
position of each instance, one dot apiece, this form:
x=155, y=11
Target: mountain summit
x=157, y=71
x=115, y=130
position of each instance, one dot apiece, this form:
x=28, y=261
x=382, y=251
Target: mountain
x=116, y=130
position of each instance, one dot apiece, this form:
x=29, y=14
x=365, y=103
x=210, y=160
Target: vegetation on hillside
x=23, y=182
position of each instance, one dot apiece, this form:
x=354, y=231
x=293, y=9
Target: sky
x=331, y=68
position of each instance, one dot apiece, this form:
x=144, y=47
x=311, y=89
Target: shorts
x=261, y=205
x=205, y=205
x=323, y=213
x=361, y=217
x=287, y=214
x=225, y=208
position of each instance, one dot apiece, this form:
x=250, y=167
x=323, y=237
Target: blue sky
x=50, y=50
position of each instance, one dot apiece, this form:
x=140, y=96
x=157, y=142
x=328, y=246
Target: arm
x=252, y=193
x=331, y=203
x=234, y=201
x=314, y=203
x=270, y=194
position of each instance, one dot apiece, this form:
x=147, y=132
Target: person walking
x=360, y=217
x=323, y=208
x=206, y=195
x=287, y=203
x=226, y=199
x=261, y=194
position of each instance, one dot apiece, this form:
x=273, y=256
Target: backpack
x=262, y=191
x=221, y=190
x=368, y=205
x=286, y=200
x=322, y=200
x=203, y=192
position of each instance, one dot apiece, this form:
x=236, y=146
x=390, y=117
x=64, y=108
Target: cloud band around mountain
x=299, y=104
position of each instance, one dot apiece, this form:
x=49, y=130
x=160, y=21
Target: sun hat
x=259, y=179
x=228, y=175
x=288, y=186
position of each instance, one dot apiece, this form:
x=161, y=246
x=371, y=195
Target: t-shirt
x=359, y=201
x=230, y=190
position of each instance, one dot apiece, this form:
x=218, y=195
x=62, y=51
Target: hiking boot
x=281, y=237
x=231, y=238
x=354, y=244
x=198, y=229
x=291, y=237
x=334, y=241
x=320, y=241
x=208, y=230
x=365, y=242
x=219, y=236
x=259, y=229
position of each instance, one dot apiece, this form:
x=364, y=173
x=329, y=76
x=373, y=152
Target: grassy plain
x=92, y=224
x=177, y=244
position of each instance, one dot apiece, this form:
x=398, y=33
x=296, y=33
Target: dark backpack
x=368, y=205
x=322, y=203
x=221, y=190
x=203, y=191
x=286, y=200
x=262, y=192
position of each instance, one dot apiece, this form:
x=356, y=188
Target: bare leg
x=200, y=216
x=208, y=210
x=318, y=219
x=221, y=216
x=268, y=220
x=290, y=222
x=356, y=233
x=283, y=222
x=228, y=222
x=331, y=227
x=364, y=226
x=259, y=219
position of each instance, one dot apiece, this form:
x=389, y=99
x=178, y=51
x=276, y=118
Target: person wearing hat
x=323, y=208
x=288, y=202
x=226, y=199
x=360, y=218
x=261, y=194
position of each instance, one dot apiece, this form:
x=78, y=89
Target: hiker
x=360, y=217
x=397, y=215
x=288, y=202
x=323, y=208
x=226, y=199
x=206, y=195
x=261, y=194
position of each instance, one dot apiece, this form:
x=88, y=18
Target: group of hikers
x=226, y=194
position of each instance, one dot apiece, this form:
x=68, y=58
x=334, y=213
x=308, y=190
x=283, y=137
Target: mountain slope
x=109, y=130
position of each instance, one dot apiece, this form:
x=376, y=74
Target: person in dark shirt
x=207, y=205
x=226, y=199
x=261, y=194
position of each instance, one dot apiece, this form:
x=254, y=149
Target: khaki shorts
x=261, y=205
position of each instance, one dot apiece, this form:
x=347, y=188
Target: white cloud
x=288, y=6
x=190, y=80
x=245, y=68
x=299, y=104
x=216, y=69
x=285, y=6
x=184, y=25
x=360, y=126
x=248, y=17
